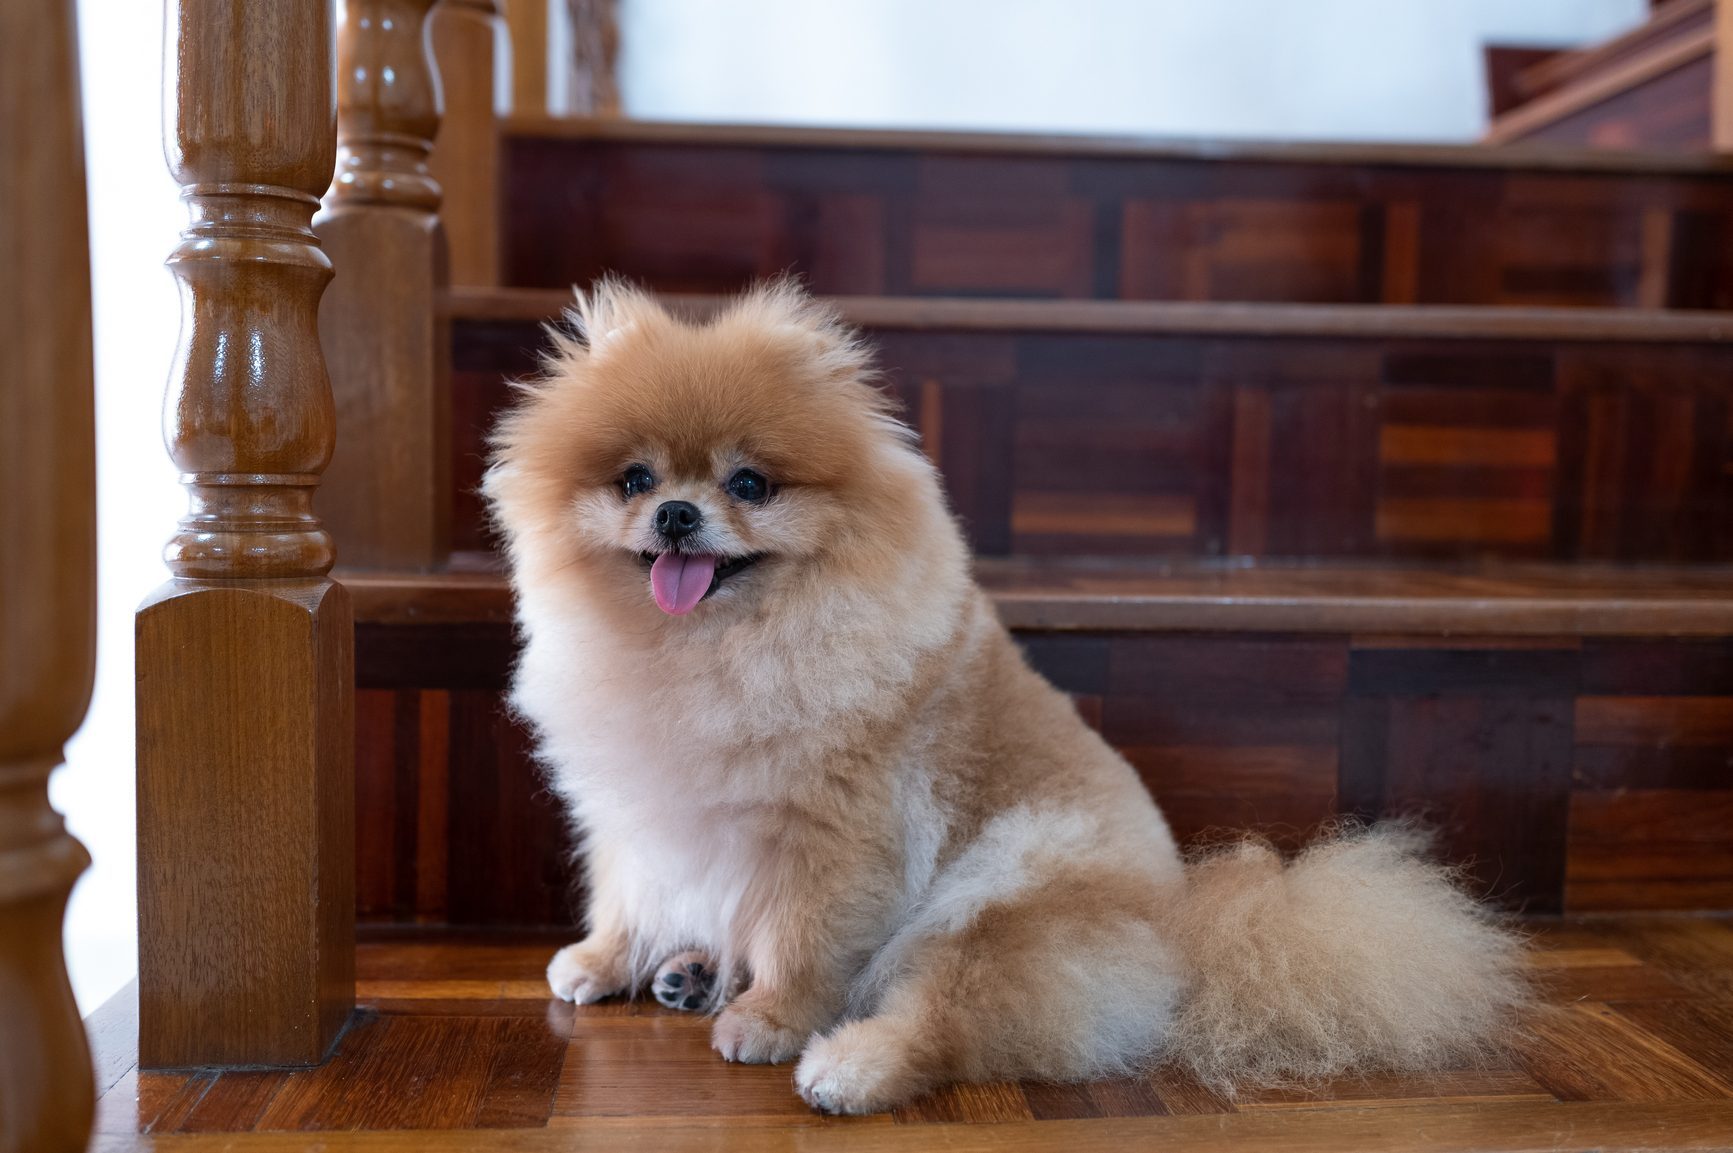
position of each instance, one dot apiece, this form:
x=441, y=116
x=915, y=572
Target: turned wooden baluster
x=592, y=67
x=47, y=565
x=387, y=495
x=244, y=660
x=470, y=43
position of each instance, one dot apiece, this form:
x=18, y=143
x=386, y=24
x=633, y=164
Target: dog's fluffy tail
x=1360, y=954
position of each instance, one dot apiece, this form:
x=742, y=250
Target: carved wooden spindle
x=47, y=566
x=244, y=660
x=592, y=68
x=526, y=23
x=387, y=495
x=470, y=43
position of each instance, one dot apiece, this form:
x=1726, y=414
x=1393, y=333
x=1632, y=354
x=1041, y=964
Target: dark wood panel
x=1668, y=111
x=705, y=209
x=1087, y=442
x=1552, y=794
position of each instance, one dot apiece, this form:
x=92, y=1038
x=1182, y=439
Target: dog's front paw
x=685, y=981
x=588, y=971
x=746, y=1033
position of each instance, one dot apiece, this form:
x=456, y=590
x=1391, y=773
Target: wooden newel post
x=470, y=43
x=47, y=565
x=387, y=496
x=244, y=659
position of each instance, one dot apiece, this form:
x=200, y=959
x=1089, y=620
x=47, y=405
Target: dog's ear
x=784, y=307
x=611, y=309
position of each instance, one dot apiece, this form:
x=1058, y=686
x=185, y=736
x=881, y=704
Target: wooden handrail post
x=526, y=22
x=592, y=64
x=1721, y=80
x=387, y=495
x=244, y=659
x=470, y=44
x=47, y=566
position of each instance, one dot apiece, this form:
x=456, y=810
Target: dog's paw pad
x=685, y=981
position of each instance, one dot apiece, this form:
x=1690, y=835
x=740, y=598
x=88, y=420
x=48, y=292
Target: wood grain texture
x=1076, y=428
x=469, y=40
x=436, y=1065
x=526, y=23
x=708, y=208
x=246, y=822
x=1614, y=104
x=1107, y=146
x=47, y=566
x=1721, y=83
x=245, y=661
x=1669, y=20
x=386, y=498
x=1568, y=761
x=411, y=610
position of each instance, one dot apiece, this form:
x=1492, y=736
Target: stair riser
x=1577, y=775
x=1075, y=443
x=703, y=217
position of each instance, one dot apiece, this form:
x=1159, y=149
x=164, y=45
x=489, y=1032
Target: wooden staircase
x=1657, y=87
x=1326, y=480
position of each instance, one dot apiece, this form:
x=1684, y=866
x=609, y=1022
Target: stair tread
x=1436, y=321
x=1156, y=595
x=1108, y=145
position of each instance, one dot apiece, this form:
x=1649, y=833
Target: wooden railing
x=244, y=659
x=47, y=565
x=469, y=41
x=387, y=495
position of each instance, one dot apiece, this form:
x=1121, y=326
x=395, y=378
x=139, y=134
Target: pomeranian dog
x=819, y=793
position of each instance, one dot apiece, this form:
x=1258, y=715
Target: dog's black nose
x=676, y=519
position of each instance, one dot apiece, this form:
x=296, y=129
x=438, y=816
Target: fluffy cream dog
x=819, y=792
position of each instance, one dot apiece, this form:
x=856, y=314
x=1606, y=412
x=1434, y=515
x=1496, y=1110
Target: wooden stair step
x=706, y=208
x=1353, y=431
x=1139, y=595
x=1667, y=22
x=1569, y=729
x=1648, y=88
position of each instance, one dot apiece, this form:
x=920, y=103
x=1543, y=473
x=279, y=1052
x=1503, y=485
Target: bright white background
x=1321, y=69
x=1329, y=69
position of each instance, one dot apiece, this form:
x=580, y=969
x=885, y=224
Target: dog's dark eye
x=636, y=479
x=748, y=486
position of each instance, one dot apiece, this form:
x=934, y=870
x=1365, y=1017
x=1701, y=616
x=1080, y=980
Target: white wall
x=1321, y=69
x=135, y=217
x=1407, y=69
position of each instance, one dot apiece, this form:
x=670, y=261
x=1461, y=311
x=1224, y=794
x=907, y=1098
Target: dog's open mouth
x=680, y=580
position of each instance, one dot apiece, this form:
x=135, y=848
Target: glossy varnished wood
x=386, y=498
x=1564, y=727
x=1429, y=156
x=705, y=208
x=1490, y=600
x=1182, y=429
x=469, y=40
x=1656, y=95
x=47, y=565
x=1721, y=82
x=1669, y=20
x=459, y=1049
x=244, y=659
x=937, y=314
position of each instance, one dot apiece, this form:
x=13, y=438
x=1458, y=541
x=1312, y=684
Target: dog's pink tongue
x=679, y=582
